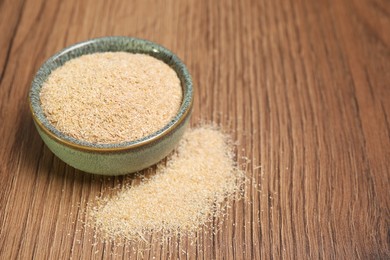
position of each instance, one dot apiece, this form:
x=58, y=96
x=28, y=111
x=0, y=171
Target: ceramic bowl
x=112, y=159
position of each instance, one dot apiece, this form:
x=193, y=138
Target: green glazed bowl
x=121, y=158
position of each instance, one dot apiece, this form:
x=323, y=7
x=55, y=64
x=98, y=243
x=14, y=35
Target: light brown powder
x=183, y=195
x=111, y=97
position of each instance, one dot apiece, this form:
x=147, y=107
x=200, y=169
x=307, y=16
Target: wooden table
x=304, y=86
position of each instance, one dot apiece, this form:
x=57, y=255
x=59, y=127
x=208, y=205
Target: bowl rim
x=138, y=46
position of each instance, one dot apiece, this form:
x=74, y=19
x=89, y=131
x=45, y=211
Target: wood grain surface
x=303, y=86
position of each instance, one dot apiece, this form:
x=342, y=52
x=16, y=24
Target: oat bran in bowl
x=112, y=105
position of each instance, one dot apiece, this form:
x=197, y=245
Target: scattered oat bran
x=183, y=195
x=111, y=97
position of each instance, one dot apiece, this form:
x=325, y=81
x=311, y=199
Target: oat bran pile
x=182, y=196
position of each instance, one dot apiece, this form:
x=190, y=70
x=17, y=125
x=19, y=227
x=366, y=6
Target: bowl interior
x=110, y=44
